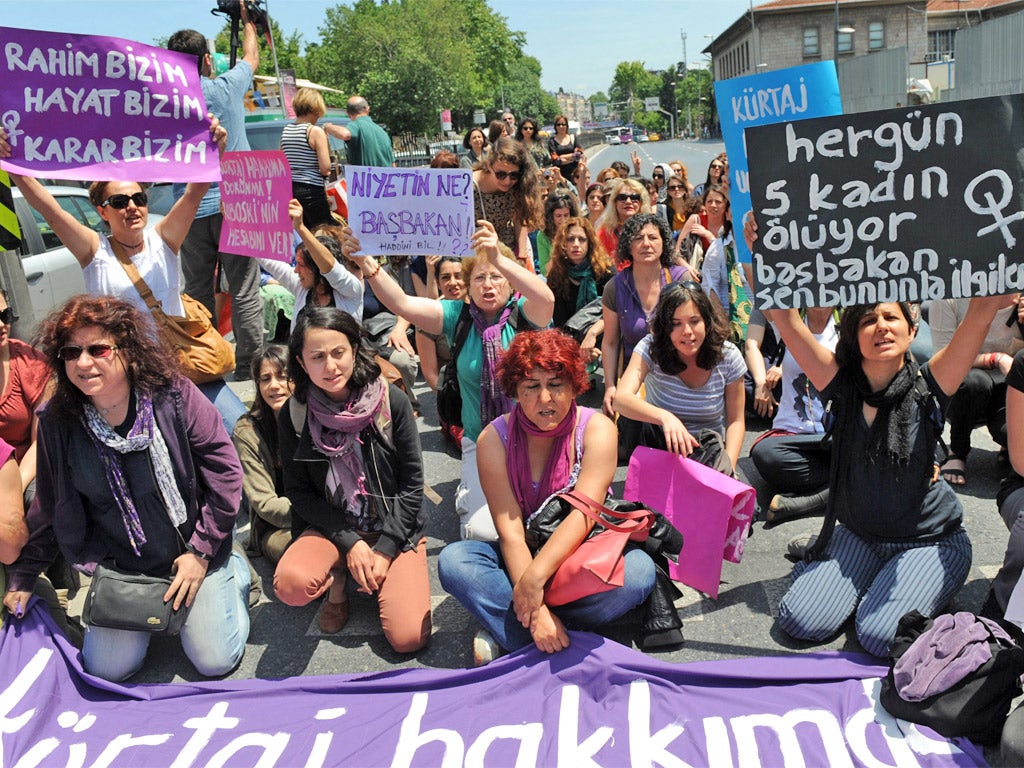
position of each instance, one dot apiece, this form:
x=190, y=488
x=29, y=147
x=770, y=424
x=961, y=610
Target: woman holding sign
x=901, y=545
x=503, y=298
x=123, y=206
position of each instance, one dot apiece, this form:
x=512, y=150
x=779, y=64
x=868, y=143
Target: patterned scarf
x=517, y=459
x=583, y=273
x=334, y=428
x=144, y=435
x=493, y=402
x=739, y=301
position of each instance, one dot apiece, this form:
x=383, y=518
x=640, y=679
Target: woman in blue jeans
x=544, y=446
x=136, y=471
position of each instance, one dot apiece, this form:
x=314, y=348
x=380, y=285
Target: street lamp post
x=847, y=30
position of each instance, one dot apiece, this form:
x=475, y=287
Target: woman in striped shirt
x=304, y=143
x=693, y=376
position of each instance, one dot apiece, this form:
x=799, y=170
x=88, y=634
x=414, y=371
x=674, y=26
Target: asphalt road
x=286, y=641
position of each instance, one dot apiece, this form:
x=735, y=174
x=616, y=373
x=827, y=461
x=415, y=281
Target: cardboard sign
x=84, y=106
x=903, y=204
x=796, y=93
x=411, y=210
x=711, y=510
x=255, y=191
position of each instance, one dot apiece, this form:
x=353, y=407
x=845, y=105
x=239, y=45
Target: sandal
x=956, y=474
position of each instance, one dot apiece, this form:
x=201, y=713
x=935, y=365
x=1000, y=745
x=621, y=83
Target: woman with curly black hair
x=693, y=375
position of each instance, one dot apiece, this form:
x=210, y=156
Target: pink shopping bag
x=711, y=510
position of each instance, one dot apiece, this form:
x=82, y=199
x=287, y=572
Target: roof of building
x=934, y=6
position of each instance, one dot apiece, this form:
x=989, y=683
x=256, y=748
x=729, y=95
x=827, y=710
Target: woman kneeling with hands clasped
x=546, y=445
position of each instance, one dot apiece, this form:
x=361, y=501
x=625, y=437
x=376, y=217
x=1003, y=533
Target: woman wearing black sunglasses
x=627, y=198
x=508, y=196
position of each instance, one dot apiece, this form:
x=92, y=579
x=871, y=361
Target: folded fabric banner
x=595, y=704
x=710, y=509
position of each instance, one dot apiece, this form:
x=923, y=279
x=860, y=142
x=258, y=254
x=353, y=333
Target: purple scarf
x=517, y=459
x=493, y=402
x=334, y=428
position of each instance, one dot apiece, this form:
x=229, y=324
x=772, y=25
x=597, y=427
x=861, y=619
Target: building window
x=941, y=45
x=812, y=46
x=876, y=36
x=844, y=42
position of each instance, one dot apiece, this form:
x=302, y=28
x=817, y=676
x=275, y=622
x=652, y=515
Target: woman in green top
x=503, y=297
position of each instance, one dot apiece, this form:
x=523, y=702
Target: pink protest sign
x=255, y=192
x=85, y=106
x=710, y=509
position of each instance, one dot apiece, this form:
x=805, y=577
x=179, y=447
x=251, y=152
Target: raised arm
x=539, y=301
x=950, y=364
x=77, y=238
x=175, y=225
x=815, y=360
x=250, y=40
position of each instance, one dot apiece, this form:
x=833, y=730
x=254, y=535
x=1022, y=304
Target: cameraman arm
x=250, y=41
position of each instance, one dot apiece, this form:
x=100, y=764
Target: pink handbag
x=596, y=565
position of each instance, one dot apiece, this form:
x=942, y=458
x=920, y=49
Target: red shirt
x=24, y=389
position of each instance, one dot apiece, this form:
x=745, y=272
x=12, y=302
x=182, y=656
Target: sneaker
x=785, y=505
x=799, y=545
x=485, y=648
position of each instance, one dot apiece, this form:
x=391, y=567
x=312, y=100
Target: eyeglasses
x=565, y=125
x=676, y=187
x=502, y=175
x=72, y=352
x=689, y=285
x=528, y=128
x=632, y=198
x=492, y=277
x=657, y=175
x=6, y=315
x=120, y=202
x=718, y=166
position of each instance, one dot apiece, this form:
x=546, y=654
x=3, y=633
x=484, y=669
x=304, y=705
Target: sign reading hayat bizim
x=905, y=204
x=84, y=106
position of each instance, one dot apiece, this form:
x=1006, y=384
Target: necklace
x=118, y=404
x=128, y=245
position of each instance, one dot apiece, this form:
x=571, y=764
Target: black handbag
x=976, y=706
x=133, y=601
x=580, y=323
x=449, y=393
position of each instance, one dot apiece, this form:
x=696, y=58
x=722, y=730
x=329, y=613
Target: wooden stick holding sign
x=905, y=204
x=411, y=210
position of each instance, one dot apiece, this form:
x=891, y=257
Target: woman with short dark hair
x=353, y=470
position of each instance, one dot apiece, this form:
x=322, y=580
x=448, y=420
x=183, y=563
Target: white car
x=612, y=138
x=51, y=270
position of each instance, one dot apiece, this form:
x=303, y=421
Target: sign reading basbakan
x=898, y=205
x=411, y=210
x=84, y=106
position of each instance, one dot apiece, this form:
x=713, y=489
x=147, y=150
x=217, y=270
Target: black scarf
x=889, y=437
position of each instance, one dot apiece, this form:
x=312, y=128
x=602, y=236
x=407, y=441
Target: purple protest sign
x=594, y=704
x=255, y=191
x=85, y=106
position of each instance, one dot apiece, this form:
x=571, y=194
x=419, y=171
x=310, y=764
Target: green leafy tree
x=631, y=84
x=289, y=49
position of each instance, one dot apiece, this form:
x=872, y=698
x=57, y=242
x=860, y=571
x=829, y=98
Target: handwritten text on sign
x=255, y=192
x=85, y=106
x=411, y=210
x=899, y=205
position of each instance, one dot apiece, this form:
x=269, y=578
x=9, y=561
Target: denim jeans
x=473, y=572
x=225, y=401
x=213, y=636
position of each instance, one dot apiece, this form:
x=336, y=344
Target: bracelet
x=374, y=273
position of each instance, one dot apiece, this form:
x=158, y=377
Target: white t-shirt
x=800, y=406
x=698, y=408
x=348, y=289
x=157, y=264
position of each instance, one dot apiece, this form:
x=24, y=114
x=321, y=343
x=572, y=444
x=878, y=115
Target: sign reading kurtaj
x=906, y=204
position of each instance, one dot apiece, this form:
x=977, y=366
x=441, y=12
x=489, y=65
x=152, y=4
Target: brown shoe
x=333, y=617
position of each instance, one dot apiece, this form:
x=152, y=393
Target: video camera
x=233, y=10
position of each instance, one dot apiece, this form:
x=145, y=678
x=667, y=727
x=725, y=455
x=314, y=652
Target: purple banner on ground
x=91, y=107
x=594, y=704
x=255, y=190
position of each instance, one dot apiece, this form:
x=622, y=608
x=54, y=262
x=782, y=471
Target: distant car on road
x=641, y=138
x=612, y=138
x=51, y=270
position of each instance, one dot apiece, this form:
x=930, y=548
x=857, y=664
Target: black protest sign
x=897, y=205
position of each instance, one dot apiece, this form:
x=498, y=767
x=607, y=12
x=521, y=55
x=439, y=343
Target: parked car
x=51, y=270
x=266, y=134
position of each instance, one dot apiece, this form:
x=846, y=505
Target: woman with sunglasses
x=256, y=440
x=717, y=174
x=24, y=375
x=504, y=298
x=135, y=471
x=123, y=207
x=527, y=134
x=507, y=195
x=659, y=178
x=564, y=149
x=626, y=198
x=691, y=374
x=559, y=207
x=475, y=144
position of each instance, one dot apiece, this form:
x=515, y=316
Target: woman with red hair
x=545, y=446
